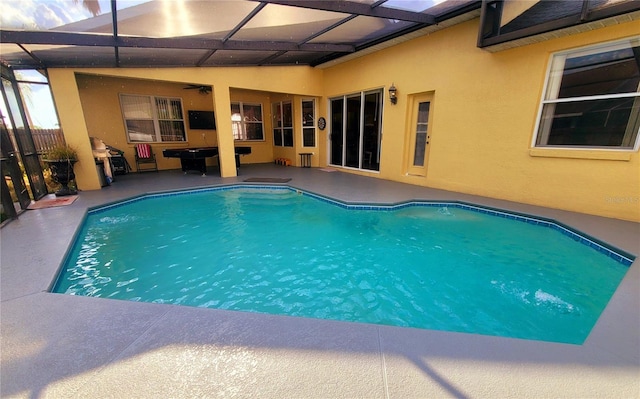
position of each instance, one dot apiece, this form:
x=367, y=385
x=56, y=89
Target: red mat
x=51, y=201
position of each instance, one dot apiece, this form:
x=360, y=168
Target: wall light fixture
x=393, y=94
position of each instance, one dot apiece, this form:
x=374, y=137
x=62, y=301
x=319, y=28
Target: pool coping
x=606, y=249
x=107, y=348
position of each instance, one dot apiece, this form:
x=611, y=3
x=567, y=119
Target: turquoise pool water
x=279, y=251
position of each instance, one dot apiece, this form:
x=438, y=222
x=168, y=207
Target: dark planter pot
x=62, y=173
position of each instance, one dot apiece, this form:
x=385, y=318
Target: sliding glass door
x=356, y=130
x=336, y=136
x=352, y=132
x=372, y=130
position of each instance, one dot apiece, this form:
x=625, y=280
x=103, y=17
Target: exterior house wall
x=484, y=113
x=101, y=108
x=483, y=118
x=79, y=120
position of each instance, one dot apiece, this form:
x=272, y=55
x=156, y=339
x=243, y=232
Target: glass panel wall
x=20, y=131
x=356, y=127
x=15, y=196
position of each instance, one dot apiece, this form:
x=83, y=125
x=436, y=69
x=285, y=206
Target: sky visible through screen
x=48, y=14
x=42, y=15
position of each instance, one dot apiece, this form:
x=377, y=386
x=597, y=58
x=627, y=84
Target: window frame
x=242, y=123
x=281, y=130
x=155, y=118
x=338, y=134
x=306, y=127
x=551, y=89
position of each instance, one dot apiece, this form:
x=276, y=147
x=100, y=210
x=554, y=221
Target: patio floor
x=62, y=346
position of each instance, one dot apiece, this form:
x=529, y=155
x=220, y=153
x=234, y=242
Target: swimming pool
x=278, y=250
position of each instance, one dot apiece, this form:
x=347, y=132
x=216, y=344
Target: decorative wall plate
x=322, y=123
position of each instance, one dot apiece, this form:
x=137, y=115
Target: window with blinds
x=153, y=119
x=246, y=121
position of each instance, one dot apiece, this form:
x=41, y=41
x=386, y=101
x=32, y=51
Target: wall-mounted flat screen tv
x=202, y=120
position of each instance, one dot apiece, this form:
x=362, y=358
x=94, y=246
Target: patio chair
x=145, y=159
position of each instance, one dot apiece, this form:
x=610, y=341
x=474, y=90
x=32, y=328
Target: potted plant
x=61, y=160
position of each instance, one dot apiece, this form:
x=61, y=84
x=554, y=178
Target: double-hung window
x=153, y=119
x=246, y=121
x=283, y=124
x=592, y=98
x=308, y=123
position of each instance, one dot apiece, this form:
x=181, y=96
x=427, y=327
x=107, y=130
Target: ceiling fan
x=202, y=89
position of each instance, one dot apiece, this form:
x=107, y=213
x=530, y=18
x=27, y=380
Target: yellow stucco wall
x=69, y=106
x=483, y=119
x=485, y=110
x=101, y=109
x=96, y=96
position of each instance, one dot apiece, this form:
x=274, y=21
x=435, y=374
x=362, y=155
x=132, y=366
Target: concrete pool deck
x=62, y=346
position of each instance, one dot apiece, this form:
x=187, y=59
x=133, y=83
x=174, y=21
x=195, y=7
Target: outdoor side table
x=305, y=159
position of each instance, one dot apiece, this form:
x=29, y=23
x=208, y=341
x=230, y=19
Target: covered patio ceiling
x=40, y=34
x=187, y=33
